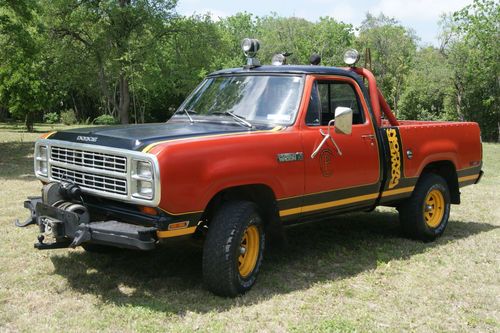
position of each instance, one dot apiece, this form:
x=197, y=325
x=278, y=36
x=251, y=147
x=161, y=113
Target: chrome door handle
x=368, y=136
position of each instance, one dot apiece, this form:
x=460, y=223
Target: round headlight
x=278, y=59
x=250, y=46
x=351, y=57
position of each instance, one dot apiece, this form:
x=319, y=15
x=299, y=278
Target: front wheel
x=425, y=214
x=233, y=249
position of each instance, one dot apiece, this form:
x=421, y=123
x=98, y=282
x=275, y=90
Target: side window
x=343, y=94
x=326, y=97
x=313, y=117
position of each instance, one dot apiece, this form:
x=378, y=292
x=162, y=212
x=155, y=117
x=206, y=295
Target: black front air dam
x=69, y=232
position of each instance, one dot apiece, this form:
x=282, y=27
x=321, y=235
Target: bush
x=51, y=118
x=105, y=119
x=68, y=117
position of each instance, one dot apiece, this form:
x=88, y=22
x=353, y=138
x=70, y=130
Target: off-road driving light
x=278, y=59
x=41, y=157
x=351, y=57
x=250, y=47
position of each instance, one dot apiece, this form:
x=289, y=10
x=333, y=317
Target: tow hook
x=29, y=204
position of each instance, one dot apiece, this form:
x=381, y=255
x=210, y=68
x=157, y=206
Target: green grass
x=351, y=274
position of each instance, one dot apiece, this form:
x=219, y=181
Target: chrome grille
x=90, y=181
x=89, y=159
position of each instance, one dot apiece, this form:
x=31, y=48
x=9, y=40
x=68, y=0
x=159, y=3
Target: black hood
x=136, y=137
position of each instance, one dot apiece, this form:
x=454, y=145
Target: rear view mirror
x=343, y=120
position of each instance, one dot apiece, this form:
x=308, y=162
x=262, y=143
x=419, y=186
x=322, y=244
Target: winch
x=63, y=218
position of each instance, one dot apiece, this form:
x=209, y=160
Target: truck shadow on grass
x=16, y=160
x=169, y=279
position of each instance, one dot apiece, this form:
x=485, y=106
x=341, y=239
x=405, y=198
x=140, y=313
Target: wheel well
x=262, y=195
x=447, y=170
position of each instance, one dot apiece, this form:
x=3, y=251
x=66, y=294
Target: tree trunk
x=124, y=100
x=103, y=84
x=28, y=122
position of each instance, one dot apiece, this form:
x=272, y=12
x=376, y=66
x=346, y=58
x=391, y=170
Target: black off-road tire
x=414, y=212
x=221, y=251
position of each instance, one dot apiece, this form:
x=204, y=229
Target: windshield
x=252, y=98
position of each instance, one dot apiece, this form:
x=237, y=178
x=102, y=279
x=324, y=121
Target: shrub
x=105, y=119
x=51, y=118
x=68, y=117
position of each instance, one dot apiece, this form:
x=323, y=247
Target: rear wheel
x=425, y=214
x=233, y=249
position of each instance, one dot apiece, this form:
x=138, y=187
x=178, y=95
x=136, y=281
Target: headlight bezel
x=142, y=174
x=41, y=160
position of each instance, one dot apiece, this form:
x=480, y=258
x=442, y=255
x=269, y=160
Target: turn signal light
x=178, y=225
x=148, y=210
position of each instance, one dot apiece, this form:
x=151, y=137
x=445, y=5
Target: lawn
x=351, y=274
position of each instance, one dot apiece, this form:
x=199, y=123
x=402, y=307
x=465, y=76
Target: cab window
x=326, y=96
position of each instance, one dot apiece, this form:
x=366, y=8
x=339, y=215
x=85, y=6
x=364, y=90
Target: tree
x=115, y=34
x=428, y=88
x=22, y=88
x=393, y=49
x=473, y=52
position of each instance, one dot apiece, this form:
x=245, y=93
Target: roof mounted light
x=279, y=59
x=351, y=57
x=250, y=47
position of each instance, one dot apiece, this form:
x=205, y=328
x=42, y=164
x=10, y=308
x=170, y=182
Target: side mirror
x=343, y=120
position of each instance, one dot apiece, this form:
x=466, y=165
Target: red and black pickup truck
x=250, y=150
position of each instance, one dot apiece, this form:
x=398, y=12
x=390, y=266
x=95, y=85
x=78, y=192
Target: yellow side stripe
x=152, y=145
x=341, y=202
x=397, y=191
x=466, y=178
x=175, y=233
x=335, y=203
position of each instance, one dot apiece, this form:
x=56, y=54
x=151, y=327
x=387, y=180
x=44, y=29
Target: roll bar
x=376, y=98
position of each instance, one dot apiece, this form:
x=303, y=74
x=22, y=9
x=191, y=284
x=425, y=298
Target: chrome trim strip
x=130, y=155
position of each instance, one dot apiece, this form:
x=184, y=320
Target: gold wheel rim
x=434, y=208
x=249, y=251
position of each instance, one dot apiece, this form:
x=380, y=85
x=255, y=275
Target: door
x=345, y=178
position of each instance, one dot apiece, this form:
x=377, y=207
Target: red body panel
x=194, y=170
x=440, y=141
x=210, y=165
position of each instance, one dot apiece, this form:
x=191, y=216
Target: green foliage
x=51, y=118
x=393, y=49
x=427, y=88
x=474, y=52
x=68, y=117
x=105, y=119
x=137, y=60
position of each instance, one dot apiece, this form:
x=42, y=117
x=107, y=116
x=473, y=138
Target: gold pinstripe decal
x=397, y=191
x=152, y=145
x=48, y=135
x=341, y=202
x=466, y=178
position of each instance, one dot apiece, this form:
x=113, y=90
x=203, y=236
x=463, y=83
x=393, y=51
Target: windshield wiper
x=241, y=120
x=187, y=112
